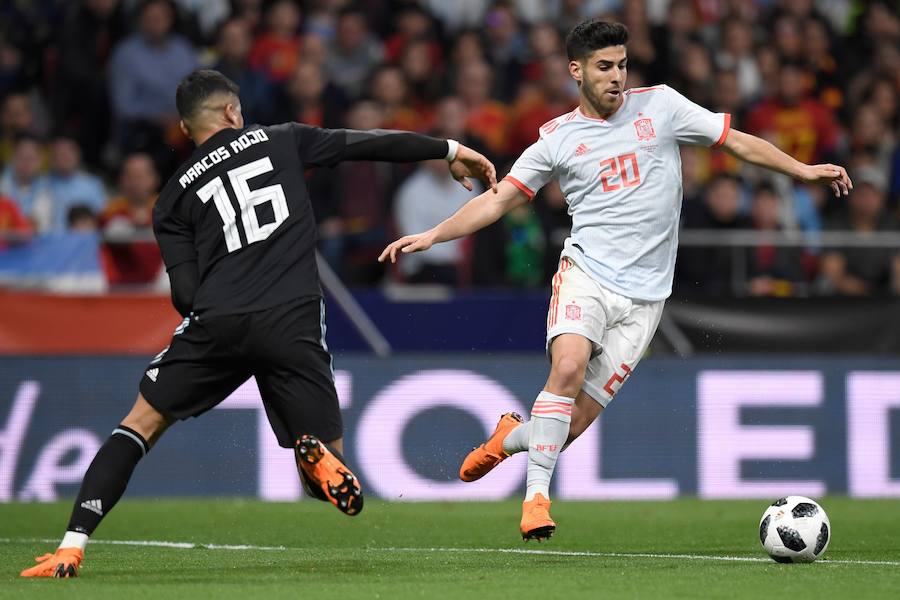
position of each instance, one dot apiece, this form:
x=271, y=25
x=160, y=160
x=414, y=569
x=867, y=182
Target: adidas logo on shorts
x=153, y=374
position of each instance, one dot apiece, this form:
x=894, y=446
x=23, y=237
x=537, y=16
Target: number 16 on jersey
x=248, y=200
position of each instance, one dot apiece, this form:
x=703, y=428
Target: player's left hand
x=418, y=242
x=469, y=163
x=834, y=175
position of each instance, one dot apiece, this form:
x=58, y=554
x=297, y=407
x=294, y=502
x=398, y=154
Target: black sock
x=106, y=478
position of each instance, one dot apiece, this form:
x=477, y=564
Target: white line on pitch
x=155, y=544
x=526, y=551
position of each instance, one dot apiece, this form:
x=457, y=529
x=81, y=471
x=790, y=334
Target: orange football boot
x=485, y=457
x=536, y=522
x=63, y=563
x=324, y=470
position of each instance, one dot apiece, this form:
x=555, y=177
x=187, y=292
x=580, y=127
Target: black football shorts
x=283, y=347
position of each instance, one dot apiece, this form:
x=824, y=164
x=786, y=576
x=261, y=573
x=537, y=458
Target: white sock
x=73, y=539
x=517, y=439
x=550, y=418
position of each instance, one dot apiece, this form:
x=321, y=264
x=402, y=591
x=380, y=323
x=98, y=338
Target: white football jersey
x=622, y=180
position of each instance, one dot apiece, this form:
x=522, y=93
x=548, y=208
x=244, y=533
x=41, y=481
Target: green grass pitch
x=681, y=549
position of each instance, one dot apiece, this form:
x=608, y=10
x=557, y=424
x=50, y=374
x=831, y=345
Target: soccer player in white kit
x=617, y=161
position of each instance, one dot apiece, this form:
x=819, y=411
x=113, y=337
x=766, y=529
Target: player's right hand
x=408, y=243
x=469, y=163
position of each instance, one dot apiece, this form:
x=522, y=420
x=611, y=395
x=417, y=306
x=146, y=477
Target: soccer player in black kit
x=237, y=236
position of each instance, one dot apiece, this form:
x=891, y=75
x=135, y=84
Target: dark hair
x=765, y=187
x=27, y=136
x=197, y=87
x=145, y=4
x=80, y=211
x=594, y=34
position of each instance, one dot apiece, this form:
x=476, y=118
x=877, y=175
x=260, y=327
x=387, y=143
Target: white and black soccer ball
x=795, y=529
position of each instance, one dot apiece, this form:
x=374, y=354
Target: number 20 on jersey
x=619, y=172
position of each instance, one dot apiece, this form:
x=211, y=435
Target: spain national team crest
x=644, y=128
x=573, y=312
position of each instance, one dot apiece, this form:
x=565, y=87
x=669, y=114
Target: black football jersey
x=240, y=208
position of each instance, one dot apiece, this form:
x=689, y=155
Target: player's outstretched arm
x=406, y=146
x=759, y=152
x=477, y=213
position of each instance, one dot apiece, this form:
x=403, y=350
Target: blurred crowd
x=89, y=131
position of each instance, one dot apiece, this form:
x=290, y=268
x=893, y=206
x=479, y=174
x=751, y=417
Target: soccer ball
x=795, y=529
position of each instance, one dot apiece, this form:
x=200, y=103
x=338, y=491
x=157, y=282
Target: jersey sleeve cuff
x=525, y=189
x=725, y=129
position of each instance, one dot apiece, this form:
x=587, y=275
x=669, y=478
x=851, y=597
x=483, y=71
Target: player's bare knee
x=566, y=376
x=146, y=420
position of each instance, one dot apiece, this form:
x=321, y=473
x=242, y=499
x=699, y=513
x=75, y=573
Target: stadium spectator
x=862, y=271
x=69, y=185
x=80, y=87
x=769, y=66
x=422, y=72
x=693, y=74
x=14, y=227
x=510, y=252
x=249, y=11
x=671, y=38
x=17, y=118
x=884, y=97
x=458, y=15
x=551, y=206
x=872, y=141
x=82, y=219
x=130, y=255
x=234, y=43
x=413, y=25
x=23, y=181
x=144, y=72
x=309, y=97
x=544, y=41
x=354, y=52
x=536, y=104
x=787, y=38
x=276, y=52
x=641, y=51
x=822, y=62
x=450, y=123
x=390, y=90
x=442, y=263
x=772, y=270
x=707, y=269
x=204, y=16
x=12, y=71
x=486, y=118
x=467, y=47
x=507, y=48
x=735, y=55
x=314, y=48
x=798, y=124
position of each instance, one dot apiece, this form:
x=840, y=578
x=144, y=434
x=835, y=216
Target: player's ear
x=233, y=115
x=184, y=129
x=575, y=70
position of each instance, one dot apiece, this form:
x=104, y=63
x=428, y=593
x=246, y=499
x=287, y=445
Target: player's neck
x=201, y=136
x=588, y=109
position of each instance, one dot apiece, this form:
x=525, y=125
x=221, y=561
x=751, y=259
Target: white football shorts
x=619, y=328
